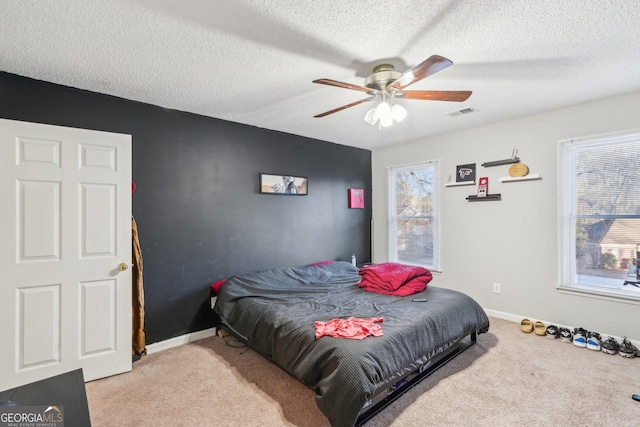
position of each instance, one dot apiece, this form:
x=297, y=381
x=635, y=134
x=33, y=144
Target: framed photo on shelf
x=483, y=187
x=466, y=172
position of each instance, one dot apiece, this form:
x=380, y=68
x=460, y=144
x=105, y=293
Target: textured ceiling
x=253, y=62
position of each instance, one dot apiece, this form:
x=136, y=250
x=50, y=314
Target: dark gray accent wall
x=199, y=211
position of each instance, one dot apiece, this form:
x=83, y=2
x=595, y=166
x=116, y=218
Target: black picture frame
x=284, y=185
x=466, y=173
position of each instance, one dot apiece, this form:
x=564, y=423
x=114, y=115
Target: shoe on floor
x=552, y=332
x=580, y=337
x=628, y=350
x=526, y=326
x=610, y=346
x=540, y=329
x=565, y=335
x=594, y=341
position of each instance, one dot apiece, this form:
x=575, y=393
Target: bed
x=275, y=313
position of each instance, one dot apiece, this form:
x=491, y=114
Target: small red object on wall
x=483, y=187
x=356, y=198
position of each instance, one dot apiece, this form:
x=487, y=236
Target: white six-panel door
x=65, y=227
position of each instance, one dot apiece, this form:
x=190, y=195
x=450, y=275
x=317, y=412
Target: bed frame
x=387, y=395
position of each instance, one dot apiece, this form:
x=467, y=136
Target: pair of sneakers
x=580, y=337
x=564, y=334
x=624, y=349
x=553, y=332
x=610, y=346
x=589, y=339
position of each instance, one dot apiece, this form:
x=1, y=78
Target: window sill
x=629, y=296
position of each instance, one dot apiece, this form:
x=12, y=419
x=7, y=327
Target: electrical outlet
x=496, y=288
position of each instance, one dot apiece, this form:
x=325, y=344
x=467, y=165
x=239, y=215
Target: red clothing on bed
x=353, y=328
x=394, y=279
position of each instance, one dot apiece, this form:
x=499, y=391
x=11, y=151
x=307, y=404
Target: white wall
x=514, y=241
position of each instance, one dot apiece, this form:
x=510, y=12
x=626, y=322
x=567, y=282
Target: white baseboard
x=503, y=315
x=177, y=341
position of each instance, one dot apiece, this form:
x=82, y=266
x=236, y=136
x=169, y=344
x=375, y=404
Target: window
x=599, y=189
x=413, y=220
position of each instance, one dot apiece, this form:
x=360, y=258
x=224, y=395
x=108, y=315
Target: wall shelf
x=529, y=177
x=501, y=162
x=459, y=184
x=485, y=198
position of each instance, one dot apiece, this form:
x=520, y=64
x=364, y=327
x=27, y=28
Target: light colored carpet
x=508, y=378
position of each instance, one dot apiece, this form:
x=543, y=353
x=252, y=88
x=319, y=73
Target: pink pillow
x=216, y=286
x=322, y=263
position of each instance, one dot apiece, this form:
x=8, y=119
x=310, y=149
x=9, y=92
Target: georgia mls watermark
x=31, y=416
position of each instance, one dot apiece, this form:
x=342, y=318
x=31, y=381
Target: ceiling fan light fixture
x=386, y=83
x=398, y=112
x=386, y=121
x=371, y=117
x=384, y=114
x=384, y=110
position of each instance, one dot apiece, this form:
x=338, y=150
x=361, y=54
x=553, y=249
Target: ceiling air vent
x=463, y=111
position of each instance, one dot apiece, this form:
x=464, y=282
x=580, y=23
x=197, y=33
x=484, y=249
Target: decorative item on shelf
x=466, y=173
x=356, y=198
x=483, y=191
x=483, y=186
x=518, y=170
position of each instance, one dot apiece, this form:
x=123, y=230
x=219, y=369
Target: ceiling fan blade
x=344, y=85
x=437, y=95
x=426, y=68
x=344, y=107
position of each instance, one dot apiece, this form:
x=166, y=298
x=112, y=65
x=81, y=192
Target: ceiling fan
x=386, y=83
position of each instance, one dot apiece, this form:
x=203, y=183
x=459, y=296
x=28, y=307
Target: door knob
x=122, y=266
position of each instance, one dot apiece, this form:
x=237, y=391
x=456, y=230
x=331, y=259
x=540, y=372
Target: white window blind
x=599, y=193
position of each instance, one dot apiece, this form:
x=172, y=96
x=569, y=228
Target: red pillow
x=322, y=263
x=216, y=286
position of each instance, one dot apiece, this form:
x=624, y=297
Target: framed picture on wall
x=283, y=184
x=465, y=173
x=356, y=198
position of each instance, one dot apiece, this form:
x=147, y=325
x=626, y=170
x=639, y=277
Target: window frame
x=392, y=240
x=567, y=216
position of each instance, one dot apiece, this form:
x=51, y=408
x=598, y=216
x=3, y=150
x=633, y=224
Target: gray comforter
x=275, y=312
